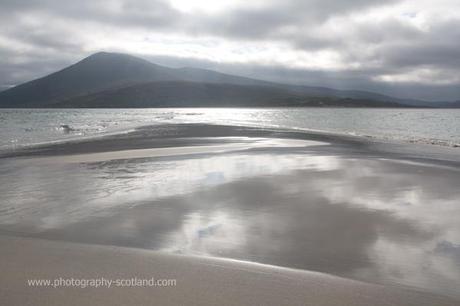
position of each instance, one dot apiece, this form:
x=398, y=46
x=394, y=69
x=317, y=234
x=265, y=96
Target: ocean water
x=23, y=127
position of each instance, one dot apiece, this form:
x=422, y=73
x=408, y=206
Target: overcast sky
x=405, y=48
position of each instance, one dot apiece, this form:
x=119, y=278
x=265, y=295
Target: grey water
x=22, y=127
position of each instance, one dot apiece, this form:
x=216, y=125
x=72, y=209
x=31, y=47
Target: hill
x=193, y=94
x=102, y=71
x=119, y=80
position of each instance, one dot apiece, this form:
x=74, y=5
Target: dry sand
x=199, y=281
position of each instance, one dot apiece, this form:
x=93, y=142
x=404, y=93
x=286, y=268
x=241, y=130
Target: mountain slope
x=102, y=76
x=193, y=94
x=96, y=72
x=102, y=71
x=455, y=104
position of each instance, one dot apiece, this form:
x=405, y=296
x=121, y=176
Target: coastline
x=43, y=129
x=156, y=136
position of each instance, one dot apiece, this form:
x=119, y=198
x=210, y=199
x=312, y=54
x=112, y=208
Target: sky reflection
x=370, y=219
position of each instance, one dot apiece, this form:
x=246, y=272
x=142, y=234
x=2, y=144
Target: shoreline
x=146, y=137
x=390, y=136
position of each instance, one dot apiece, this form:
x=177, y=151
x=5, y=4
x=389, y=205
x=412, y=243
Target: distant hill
x=448, y=104
x=119, y=80
x=193, y=94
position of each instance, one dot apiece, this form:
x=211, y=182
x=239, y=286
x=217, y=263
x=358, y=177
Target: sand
x=199, y=281
x=123, y=206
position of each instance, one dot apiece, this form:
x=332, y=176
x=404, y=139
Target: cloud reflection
x=376, y=220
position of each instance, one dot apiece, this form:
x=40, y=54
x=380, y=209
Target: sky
x=403, y=48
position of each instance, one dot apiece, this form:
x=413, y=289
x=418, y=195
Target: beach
x=200, y=281
x=238, y=215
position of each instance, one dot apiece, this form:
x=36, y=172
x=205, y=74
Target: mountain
x=119, y=80
x=455, y=104
x=101, y=71
x=194, y=94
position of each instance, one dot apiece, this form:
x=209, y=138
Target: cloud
x=392, y=46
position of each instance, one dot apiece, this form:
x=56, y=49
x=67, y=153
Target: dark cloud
x=346, y=80
x=391, y=54
x=270, y=21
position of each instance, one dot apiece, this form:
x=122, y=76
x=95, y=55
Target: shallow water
x=377, y=220
x=20, y=127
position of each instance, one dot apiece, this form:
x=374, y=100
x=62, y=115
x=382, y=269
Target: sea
x=26, y=127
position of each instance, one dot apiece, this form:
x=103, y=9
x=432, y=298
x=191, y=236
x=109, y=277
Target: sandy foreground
x=121, y=207
x=199, y=281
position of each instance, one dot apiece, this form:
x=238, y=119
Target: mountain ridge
x=103, y=75
x=192, y=94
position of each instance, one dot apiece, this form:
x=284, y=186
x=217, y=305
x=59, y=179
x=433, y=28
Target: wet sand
x=383, y=213
x=199, y=281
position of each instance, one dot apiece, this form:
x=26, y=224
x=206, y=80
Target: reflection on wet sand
x=371, y=219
